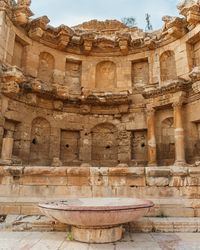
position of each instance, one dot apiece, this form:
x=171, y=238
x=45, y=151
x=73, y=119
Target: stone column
x=152, y=154
x=179, y=134
x=7, y=146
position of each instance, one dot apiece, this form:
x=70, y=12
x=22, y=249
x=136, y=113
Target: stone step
x=145, y=225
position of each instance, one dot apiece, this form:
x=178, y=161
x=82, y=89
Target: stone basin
x=96, y=220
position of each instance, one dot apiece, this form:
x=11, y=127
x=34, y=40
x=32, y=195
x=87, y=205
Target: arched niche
x=167, y=146
x=46, y=67
x=40, y=142
x=106, y=75
x=104, y=142
x=168, y=66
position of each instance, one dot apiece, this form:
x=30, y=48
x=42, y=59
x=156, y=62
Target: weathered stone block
x=134, y=181
x=77, y=171
x=158, y=172
x=78, y=181
x=179, y=171
x=117, y=181
x=177, y=181
x=157, y=181
x=118, y=171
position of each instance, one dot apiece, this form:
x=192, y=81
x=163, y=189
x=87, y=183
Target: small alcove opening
x=34, y=141
x=16, y=178
x=108, y=147
x=143, y=145
x=67, y=145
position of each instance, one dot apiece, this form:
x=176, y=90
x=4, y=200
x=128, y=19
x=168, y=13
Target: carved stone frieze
x=175, y=26
x=190, y=9
x=195, y=74
x=64, y=36
x=178, y=85
x=10, y=79
x=38, y=27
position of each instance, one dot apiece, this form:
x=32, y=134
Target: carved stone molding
x=195, y=74
x=175, y=86
x=150, y=111
x=196, y=87
x=175, y=26
x=190, y=9
x=37, y=27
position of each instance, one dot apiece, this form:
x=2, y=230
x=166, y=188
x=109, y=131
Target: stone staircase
x=145, y=225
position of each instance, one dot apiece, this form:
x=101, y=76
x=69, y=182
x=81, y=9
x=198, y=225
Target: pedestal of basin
x=96, y=220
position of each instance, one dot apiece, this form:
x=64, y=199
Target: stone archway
x=104, y=142
x=40, y=142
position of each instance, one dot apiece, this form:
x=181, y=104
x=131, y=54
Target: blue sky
x=73, y=12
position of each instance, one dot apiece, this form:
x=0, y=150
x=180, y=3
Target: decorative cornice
x=175, y=86
x=109, y=98
x=110, y=36
x=175, y=26
x=191, y=10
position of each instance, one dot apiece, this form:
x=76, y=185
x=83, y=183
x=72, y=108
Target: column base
x=152, y=165
x=5, y=162
x=180, y=164
x=97, y=235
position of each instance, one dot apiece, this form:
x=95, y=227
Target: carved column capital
x=177, y=103
x=150, y=111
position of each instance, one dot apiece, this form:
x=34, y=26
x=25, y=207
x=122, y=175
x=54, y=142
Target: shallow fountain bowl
x=96, y=220
x=96, y=211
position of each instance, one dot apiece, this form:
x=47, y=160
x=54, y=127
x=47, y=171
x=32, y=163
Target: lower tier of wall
x=174, y=190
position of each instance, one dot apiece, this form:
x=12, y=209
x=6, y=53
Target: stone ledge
x=166, y=225
x=145, y=225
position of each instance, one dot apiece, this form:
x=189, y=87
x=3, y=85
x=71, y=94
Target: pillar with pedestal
x=179, y=134
x=7, y=147
x=152, y=154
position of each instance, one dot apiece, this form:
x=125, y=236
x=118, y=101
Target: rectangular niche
x=18, y=53
x=196, y=54
x=139, y=145
x=14, y=128
x=73, y=71
x=196, y=150
x=69, y=146
x=140, y=73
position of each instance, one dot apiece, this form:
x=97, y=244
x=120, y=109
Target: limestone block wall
x=174, y=190
x=44, y=134
x=103, y=137
x=7, y=38
x=108, y=112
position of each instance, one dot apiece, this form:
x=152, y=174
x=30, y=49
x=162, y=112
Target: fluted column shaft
x=179, y=134
x=152, y=154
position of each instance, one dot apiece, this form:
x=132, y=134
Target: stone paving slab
x=136, y=241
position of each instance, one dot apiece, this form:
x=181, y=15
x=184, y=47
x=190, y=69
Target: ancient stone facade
x=117, y=107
